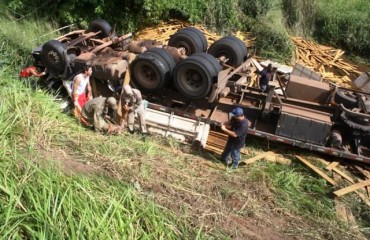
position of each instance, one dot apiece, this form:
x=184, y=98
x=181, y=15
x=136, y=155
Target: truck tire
x=187, y=39
x=194, y=76
x=54, y=57
x=166, y=57
x=200, y=35
x=100, y=25
x=212, y=60
x=242, y=45
x=230, y=48
x=347, y=98
x=356, y=122
x=150, y=72
x=367, y=105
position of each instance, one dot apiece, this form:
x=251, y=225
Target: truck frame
x=191, y=88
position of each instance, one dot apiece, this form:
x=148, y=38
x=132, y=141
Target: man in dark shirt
x=237, y=130
x=265, y=77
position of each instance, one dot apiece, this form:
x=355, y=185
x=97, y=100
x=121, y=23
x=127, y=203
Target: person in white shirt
x=81, y=83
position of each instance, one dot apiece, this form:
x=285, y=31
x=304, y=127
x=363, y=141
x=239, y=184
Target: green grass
x=41, y=203
x=344, y=24
x=38, y=201
x=18, y=38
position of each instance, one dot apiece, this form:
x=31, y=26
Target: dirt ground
x=203, y=193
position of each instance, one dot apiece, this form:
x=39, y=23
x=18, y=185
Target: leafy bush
x=255, y=9
x=300, y=15
x=346, y=24
x=273, y=40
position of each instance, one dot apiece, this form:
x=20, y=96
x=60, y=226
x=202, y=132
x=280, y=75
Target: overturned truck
x=191, y=87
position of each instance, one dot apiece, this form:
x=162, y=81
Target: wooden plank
x=351, y=188
x=317, y=170
x=340, y=207
x=332, y=165
x=213, y=149
x=363, y=171
x=343, y=175
x=258, y=157
x=244, y=151
x=363, y=198
x=368, y=191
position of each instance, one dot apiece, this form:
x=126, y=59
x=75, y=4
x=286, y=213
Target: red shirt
x=26, y=72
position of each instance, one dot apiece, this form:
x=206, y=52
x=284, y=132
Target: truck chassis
x=191, y=92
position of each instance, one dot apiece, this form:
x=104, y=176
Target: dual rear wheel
x=194, y=76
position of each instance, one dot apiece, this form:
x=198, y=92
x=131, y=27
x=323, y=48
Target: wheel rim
x=192, y=80
x=186, y=46
x=54, y=57
x=147, y=75
x=225, y=54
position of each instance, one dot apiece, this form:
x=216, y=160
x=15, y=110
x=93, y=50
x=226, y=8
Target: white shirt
x=83, y=83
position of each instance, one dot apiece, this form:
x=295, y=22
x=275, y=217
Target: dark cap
x=237, y=111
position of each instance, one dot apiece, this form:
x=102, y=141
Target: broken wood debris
x=325, y=60
x=164, y=30
x=316, y=169
x=352, y=188
x=258, y=157
x=332, y=165
x=356, y=187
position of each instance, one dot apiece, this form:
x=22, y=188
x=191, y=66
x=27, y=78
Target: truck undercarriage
x=191, y=88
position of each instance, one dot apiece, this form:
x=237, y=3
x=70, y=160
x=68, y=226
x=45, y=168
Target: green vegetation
x=37, y=200
x=132, y=188
x=45, y=204
x=344, y=24
x=19, y=38
x=298, y=190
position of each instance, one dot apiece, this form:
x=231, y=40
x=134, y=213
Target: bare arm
x=227, y=131
x=89, y=91
x=36, y=74
x=76, y=84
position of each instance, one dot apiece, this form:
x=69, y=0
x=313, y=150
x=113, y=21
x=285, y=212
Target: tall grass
x=272, y=37
x=344, y=24
x=45, y=204
x=18, y=38
x=300, y=16
x=297, y=190
x=38, y=202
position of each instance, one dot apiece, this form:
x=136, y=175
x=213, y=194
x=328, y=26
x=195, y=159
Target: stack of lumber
x=164, y=30
x=216, y=142
x=325, y=60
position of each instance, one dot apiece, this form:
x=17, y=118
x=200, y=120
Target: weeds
x=344, y=24
x=41, y=203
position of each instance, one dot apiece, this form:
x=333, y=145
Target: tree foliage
x=343, y=23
